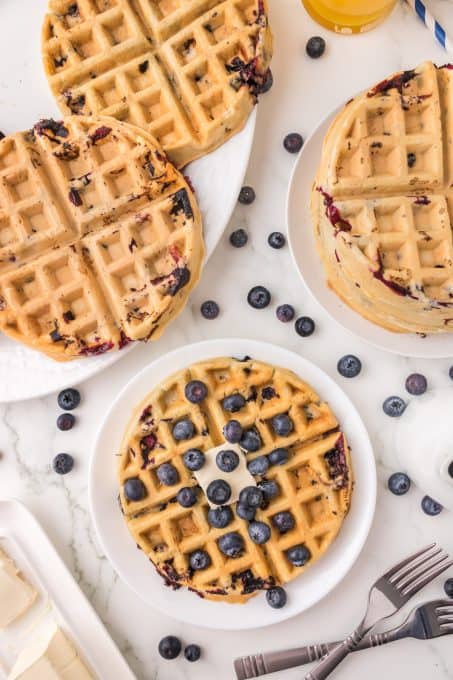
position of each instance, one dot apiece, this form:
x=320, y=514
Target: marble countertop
x=303, y=93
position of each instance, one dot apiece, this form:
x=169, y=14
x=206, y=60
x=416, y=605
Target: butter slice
x=49, y=656
x=238, y=479
x=16, y=594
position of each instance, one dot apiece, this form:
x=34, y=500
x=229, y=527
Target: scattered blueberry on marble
x=65, y=421
x=250, y=441
x=239, y=238
x=276, y=597
x=276, y=240
x=394, y=407
x=349, y=366
x=69, y=399
x=278, y=456
x=293, y=142
x=251, y=496
x=196, y=391
x=431, y=507
x=298, y=555
x=270, y=489
x=448, y=587
x=218, y=492
x=192, y=653
x=199, y=560
x=233, y=403
x=450, y=469
x=258, y=466
x=399, y=483
x=259, y=297
x=285, y=313
x=247, y=195
x=187, y=497
x=450, y=372
x=63, y=463
x=219, y=518
x=233, y=431
x=283, y=522
x=170, y=647
x=245, y=512
x=167, y=474
x=416, y=384
x=315, y=47
x=194, y=459
x=231, y=545
x=282, y=425
x=227, y=461
x=259, y=532
x=305, y=326
x=210, y=310
x=183, y=429
x=134, y=489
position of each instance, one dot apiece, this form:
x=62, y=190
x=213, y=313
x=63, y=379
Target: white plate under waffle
x=217, y=179
x=308, y=263
x=133, y=566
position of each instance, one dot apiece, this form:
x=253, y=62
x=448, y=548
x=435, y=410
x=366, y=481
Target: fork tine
x=415, y=564
x=426, y=578
x=420, y=569
x=391, y=572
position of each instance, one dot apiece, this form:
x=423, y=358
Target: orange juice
x=349, y=16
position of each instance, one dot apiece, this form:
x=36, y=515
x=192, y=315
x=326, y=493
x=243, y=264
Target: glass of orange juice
x=349, y=16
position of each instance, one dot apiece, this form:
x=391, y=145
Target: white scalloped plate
x=133, y=566
x=217, y=179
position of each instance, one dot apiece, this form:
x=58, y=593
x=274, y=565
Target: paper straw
x=434, y=26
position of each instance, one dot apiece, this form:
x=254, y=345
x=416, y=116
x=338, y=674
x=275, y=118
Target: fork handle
x=336, y=656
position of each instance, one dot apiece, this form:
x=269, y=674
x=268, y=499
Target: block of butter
x=16, y=594
x=49, y=656
x=238, y=479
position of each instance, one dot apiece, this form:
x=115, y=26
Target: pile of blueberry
x=68, y=400
x=170, y=648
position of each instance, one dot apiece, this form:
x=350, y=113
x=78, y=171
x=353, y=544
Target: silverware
x=426, y=622
x=391, y=592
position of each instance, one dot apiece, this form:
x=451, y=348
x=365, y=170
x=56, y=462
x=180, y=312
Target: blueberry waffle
x=382, y=202
x=187, y=71
x=100, y=237
x=222, y=541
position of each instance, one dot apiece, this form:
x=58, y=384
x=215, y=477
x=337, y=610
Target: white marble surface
x=304, y=92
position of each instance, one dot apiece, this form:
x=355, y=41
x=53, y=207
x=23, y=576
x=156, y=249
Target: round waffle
x=314, y=484
x=100, y=237
x=382, y=202
x=187, y=71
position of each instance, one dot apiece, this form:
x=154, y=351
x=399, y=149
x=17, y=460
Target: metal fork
x=391, y=592
x=426, y=622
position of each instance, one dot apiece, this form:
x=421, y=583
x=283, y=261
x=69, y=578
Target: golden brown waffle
x=187, y=71
x=315, y=483
x=100, y=237
x=383, y=202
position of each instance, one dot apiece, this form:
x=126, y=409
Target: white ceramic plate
x=25, y=97
x=308, y=263
x=133, y=566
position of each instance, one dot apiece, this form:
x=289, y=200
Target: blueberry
x=187, y=496
x=450, y=372
x=231, y=545
x=199, y=560
x=394, y=407
x=239, y=238
x=210, y=309
x=192, y=653
x=285, y=313
x=69, y=399
x=227, y=461
x=283, y=521
x=183, y=429
x=196, y=391
x=411, y=159
x=194, y=459
x=282, y=425
x=431, y=507
x=170, y=647
x=247, y=195
x=259, y=532
x=251, y=441
x=134, y=489
x=448, y=587
x=279, y=456
x=267, y=83
x=416, y=384
x=233, y=431
x=218, y=492
x=270, y=489
x=298, y=555
x=233, y=403
x=251, y=496
x=315, y=47
x=276, y=597
x=65, y=421
x=293, y=142
x=304, y=326
x=399, y=483
x=450, y=469
x=167, y=474
x=219, y=518
x=349, y=366
x=276, y=240
x=258, y=466
x=259, y=297
x=245, y=512
x=63, y=463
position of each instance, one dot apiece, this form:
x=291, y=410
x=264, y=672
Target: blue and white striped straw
x=434, y=26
